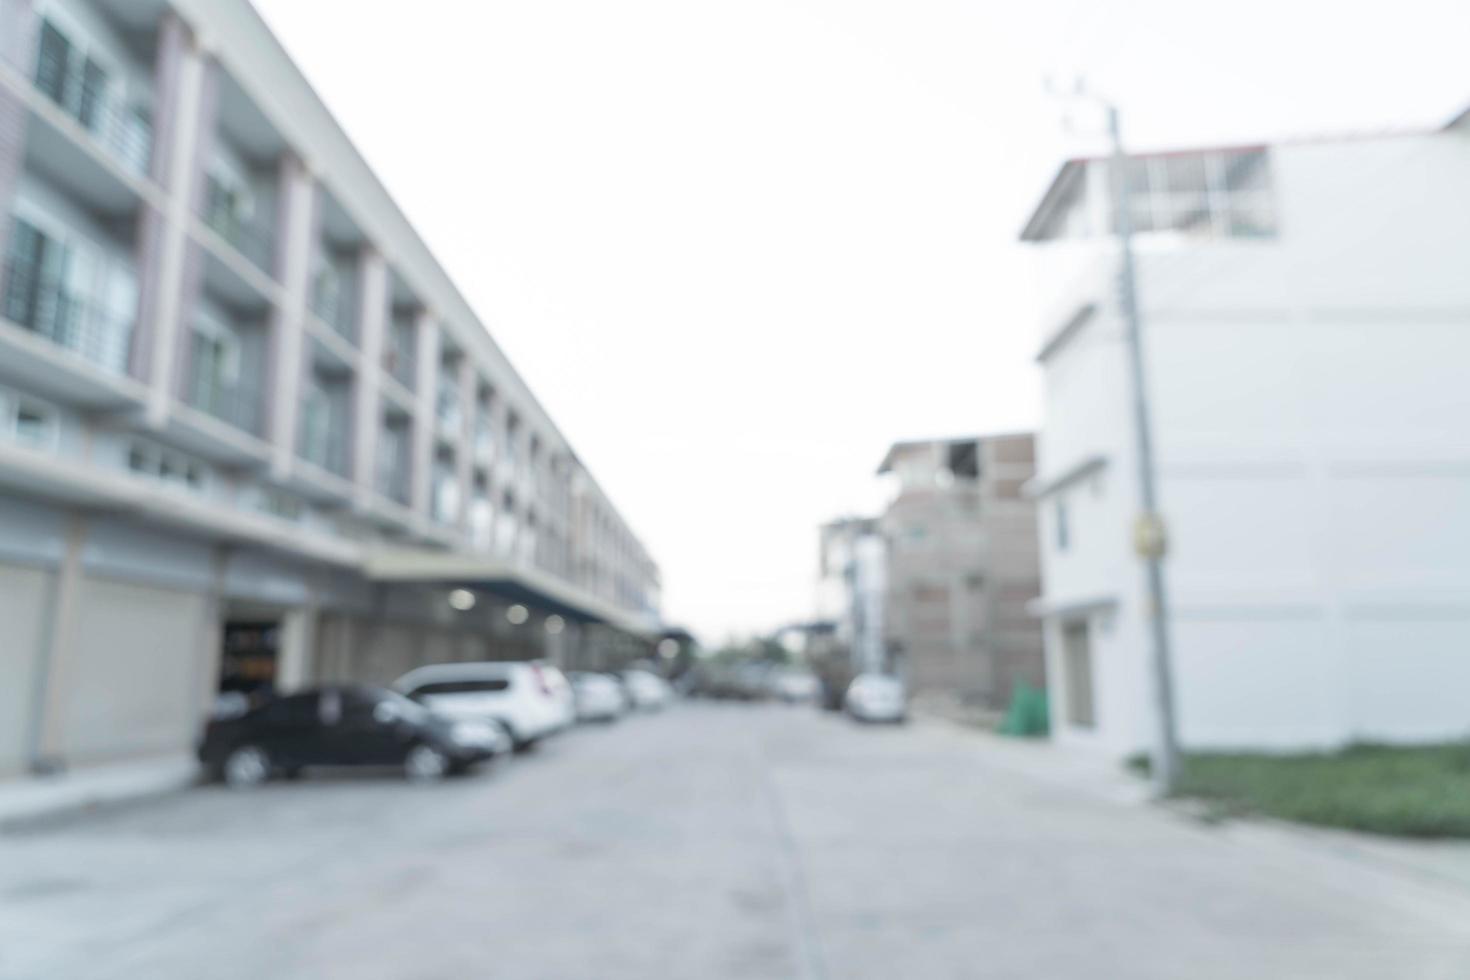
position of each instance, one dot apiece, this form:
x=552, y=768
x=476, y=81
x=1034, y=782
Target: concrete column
x=294, y=668
x=469, y=380
x=426, y=363
x=17, y=47
x=169, y=276
x=372, y=309
x=211, y=639
x=60, y=656
x=298, y=213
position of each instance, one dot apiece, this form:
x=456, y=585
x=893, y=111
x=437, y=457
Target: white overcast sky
x=739, y=247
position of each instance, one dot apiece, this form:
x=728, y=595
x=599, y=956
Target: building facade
x=1306, y=320
x=250, y=432
x=851, y=588
x=962, y=569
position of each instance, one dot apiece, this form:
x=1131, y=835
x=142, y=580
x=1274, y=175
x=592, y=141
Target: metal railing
x=323, y=441
x=251, y=239
x=400, y=364
x=125, y=133
x=234, y=401
x=79, y=323
x=393, y=466
x=334, y=306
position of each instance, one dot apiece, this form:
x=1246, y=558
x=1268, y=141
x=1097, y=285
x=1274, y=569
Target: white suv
x=528, y=700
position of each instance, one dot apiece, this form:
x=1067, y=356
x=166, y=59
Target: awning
x=517, y=583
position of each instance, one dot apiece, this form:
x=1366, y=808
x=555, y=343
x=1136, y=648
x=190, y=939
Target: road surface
x=709, y=842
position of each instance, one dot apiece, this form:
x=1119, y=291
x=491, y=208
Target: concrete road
x=708, y=842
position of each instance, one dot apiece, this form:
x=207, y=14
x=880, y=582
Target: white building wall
x=1313, y=434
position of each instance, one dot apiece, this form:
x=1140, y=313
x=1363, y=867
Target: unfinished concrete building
x=962, y=566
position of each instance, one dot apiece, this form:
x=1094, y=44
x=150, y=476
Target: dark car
x=346, y=725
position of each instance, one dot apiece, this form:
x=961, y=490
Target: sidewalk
x=32, y=799
x=1434, y=863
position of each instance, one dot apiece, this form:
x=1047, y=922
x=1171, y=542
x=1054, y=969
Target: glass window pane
x=51, y=62
x=1185, y=174
x=1246, y=170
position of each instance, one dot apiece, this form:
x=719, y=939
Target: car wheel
x=247, y=766
x=425, y=764
x=510, y=736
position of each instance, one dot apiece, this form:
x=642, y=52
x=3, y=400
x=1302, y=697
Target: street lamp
x=1149, y=538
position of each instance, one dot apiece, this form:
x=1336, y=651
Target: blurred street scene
x=979, y=492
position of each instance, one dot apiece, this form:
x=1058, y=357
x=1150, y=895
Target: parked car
x=343, y=725
x=876, y=697
x=795, y=686
x=598, y=697
x=528, y=701
x=646, y=690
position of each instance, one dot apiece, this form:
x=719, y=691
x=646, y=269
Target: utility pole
x=1150, y=540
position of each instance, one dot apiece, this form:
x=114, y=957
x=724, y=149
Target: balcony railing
x=323, y=441
x=234, y=401
x=393, y=471
x=484, y=440
x=251, y=239
x=79, y=323
x=399, y=363
x=331, y=304
x=82, y=91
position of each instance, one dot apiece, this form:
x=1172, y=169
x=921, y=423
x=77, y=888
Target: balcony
x=82, y=324
x=323, y=436
x=400, y=365
x=233, y=400
x=82, y=89
x=331, y=302
x=448, y=422
x=252, y=239
x=484, y=439
x=393, y=464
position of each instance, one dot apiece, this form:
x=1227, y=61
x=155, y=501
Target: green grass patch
x=1419, y=791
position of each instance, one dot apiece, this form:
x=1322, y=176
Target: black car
x=342, y=725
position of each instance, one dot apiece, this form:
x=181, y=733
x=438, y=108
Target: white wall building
x=1306, y=321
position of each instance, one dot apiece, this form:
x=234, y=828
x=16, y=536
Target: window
x=446, y=491
x=299, y=710
x=447, y=403
x=165, y=464
x=27, y=422
x=71, y=78
x=1077, y=668
x=280, y=504
x=392, y=461
x=1064, y=532
x=487, y=686
x=1225, y=194
x=33, y=258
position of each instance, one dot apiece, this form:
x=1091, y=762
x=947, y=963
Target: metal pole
x=1149, y=532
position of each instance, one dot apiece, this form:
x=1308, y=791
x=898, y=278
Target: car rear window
x=461, y=687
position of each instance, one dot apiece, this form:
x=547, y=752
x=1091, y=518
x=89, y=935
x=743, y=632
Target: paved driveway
x=712, y=841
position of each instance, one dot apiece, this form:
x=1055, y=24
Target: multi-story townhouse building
x=961, y=569
x=1306, y=325
x=250, y=432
